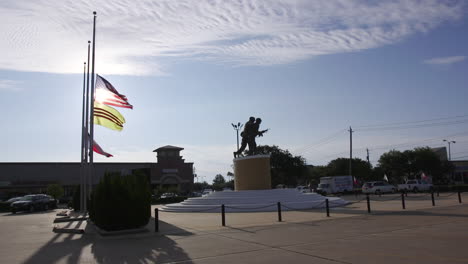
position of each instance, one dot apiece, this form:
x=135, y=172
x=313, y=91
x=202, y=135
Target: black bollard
x=156, y=220
x=459, y=197
x=438, y=191
x=403, y=200
x=368, y=203
x=432, y=196
x=223, y=217
x=279, y=212
x=327, y=207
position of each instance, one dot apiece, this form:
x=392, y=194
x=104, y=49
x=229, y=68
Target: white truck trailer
x=335, y=184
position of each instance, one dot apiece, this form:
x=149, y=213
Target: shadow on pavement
x=89, y=248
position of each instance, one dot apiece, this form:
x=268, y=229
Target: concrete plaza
x=421, y=233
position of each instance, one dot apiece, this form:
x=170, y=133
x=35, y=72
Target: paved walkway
x=420, y=234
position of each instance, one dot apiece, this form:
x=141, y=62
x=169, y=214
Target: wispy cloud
x=135, y=36
x=10, y=85
x=445, y=60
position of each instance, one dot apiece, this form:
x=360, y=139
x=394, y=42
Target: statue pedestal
x=252, y=173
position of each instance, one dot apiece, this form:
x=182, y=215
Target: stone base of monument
x=252, y=173
x=253, y=193
x=254, y=201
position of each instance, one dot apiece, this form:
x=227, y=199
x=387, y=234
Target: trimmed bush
x=55, y=190
x=121, y=202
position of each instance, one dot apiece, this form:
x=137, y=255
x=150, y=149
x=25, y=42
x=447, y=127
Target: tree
x=200, y=186
x=55, y=190
x=285, y=168
x=361, y=169
x=314, y=173
x=394, y=164
x=219, y=182
x=412, y=163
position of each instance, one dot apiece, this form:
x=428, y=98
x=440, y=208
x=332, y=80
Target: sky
x=396, y=72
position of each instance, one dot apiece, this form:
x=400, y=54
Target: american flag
x=108, y=95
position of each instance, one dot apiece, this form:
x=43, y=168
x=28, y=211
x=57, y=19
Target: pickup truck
x=415, y=186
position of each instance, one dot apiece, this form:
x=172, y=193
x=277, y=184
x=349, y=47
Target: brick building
x=170, y=170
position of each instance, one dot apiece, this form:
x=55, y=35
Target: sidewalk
x=420, y=234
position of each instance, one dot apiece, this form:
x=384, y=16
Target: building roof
x=168, y=147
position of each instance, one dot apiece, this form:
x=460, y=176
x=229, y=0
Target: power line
x=399, y=145
x=321, y=142
x=412, y=122
x=415, y=126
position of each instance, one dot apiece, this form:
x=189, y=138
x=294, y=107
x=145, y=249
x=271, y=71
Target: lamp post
x=237, y=128
x=449, y=142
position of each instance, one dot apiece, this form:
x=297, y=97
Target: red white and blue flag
x=108, y=95
x=99, y=150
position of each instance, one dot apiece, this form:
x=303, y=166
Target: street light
x=237, y=128
x=449, y=142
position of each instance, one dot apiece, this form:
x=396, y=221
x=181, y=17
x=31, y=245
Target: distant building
x=170, y=170
x=441, y=152
x=460, y=175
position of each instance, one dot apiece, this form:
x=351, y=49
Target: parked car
x=378, y=187
x=34, y=202
x=415, y=186
x=207, y=192
x=196, y=194
x=168, y=195
x=14, y=199
x=303, y=189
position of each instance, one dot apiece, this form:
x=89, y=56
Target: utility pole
x=237, y=127
x=350, y=151
x=449, y=142
x=368, y=161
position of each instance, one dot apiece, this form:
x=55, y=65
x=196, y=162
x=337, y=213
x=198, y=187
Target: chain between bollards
x=279, y=212
x=328, y=207
x=156, y=220
x=223, y=215
x=368, y=203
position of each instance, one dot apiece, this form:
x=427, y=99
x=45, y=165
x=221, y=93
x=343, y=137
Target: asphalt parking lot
x=421, y=233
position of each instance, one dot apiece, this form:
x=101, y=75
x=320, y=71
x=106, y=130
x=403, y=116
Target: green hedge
x=121, y=202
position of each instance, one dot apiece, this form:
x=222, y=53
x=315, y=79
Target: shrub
x=55, y=190
x=121, y=202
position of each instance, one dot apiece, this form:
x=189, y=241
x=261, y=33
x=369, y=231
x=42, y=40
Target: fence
x=328, y=203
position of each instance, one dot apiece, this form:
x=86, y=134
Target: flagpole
x=83, y=127
x=91, y=116
x=86, y=174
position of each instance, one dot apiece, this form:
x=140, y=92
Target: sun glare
x=102, y=95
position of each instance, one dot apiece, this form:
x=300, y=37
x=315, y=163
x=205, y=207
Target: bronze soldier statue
x=251, y=130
